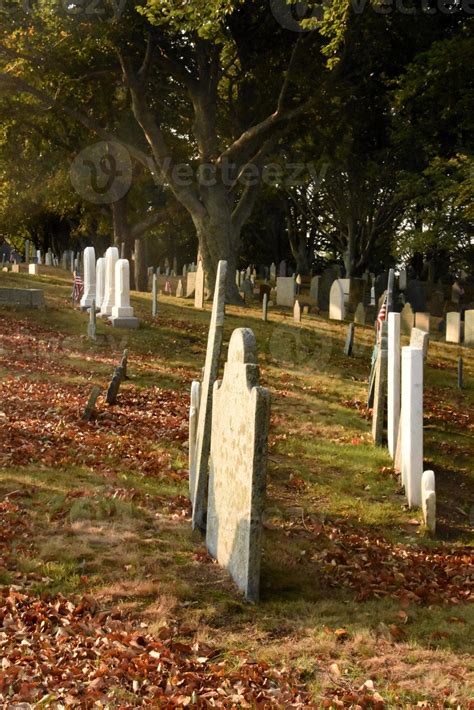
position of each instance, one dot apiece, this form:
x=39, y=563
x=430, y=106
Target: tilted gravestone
x=193, y=420
x=203, y=432
x=380, y=393
x=393, y=381
x=91, y=402
x=237, y=478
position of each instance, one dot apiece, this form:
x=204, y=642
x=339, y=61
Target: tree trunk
x=349, y=255
x=122, y=233
x=141, y=270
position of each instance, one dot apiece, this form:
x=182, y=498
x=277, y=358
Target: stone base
x=131, y=322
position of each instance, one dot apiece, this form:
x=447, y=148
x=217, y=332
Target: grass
x=114, y=528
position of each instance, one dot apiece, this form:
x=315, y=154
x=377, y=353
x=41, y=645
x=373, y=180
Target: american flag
x=78, y=287
x=382, y=316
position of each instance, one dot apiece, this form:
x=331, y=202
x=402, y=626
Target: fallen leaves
x=70, y=651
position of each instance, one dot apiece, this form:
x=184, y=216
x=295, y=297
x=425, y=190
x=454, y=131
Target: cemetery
x=249, y=493
x=236, y=356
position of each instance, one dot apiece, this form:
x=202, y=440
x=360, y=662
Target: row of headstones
x=228, y=433
x=399, y=376
x=107, y=287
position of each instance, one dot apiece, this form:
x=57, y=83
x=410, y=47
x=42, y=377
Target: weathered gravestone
x=23, y=297
x=33, y=269
x=380, y=392
x=203, y=431
x=264, y=289
x=190, y=284
x=179, y=289
x=199, y=288
x=314, y=288
x=349, y=345
x=285, y=291
x=453, y=327
x=247, y=290
x=407, y=319
x=428, y=500
x=420, y=339
x=326, y=281
x=360, y=315
x=193, y=421
x=272, y=273
x=237, y=478
x=91, y=402
x=469, y=327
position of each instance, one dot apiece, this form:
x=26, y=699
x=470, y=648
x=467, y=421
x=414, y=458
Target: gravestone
x=154, y=296
x=314, y=288
x=272, y=273
x=326, y=281
x=92, y=325
x=428, y=500
x=237, y=477
x=297, y=312
x=349, y=345
x=285, y=291
x=423, y=321
x=190, y=284
x=380, y=390
x=237, y=279
x=338, y=297
x=91, y=402
x=420, y=339
x=411, y=424
x=193, y=422
x=199, y=288
x=33, y=269
x=111, y=258
x=407, y=319
x=99, y=282
x=203, y=432
x=122, y=311
x=89, y=294
x=265, y=307
x=15, y=268
x=264, y=289
x=114, y=386
x=436, y=302
x=179, y=289
x=360, y=314
x=247, y=290
x=469, y=327
x=393, y=381
x=48, y=258
x=23, y=297
x=453, y=327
